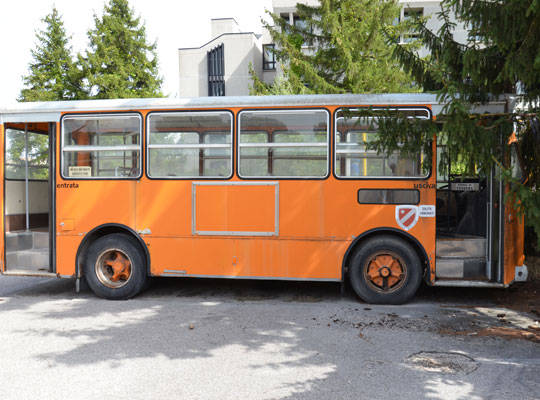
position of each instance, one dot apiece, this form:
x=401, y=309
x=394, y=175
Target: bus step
x=35, y=259
x=468, y=283
x=459, y=268
x=28, y=272
x=461, y=247
x=16, y=241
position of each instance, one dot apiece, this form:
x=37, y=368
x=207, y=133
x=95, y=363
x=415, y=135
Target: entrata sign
x=407, y=216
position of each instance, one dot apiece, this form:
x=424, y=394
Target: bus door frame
x=52, y=121
x=53, y=131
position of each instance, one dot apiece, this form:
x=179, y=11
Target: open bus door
x=479, y=236
x=28, y=194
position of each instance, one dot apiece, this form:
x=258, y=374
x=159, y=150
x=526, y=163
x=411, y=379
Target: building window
x=305, y=27
x=301, y=24
x=473, y=33
x=269, y=57
x=286, y=17
x=216, y=72
x=411, y=14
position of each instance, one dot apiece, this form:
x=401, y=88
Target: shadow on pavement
x=295, y=340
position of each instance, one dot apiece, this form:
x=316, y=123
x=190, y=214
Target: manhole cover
x=446, y=363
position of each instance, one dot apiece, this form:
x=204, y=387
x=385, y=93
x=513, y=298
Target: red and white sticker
x=407, y=216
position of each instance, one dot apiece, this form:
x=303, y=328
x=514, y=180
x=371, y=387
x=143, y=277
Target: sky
x=173, y=24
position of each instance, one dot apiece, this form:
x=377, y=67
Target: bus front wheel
x=114, y=267
x=385, y=270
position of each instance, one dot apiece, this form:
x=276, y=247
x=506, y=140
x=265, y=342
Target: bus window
x=101, y=146
x=190, y=144
x=388, y=196
x=283, y=144
x=354, y=159
x=38, y=155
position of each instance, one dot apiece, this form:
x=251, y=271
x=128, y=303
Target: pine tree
x=501, y=57
x=52, y=75
x=120, y=63
x=338, y=47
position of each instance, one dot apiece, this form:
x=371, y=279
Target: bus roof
x=50, y=111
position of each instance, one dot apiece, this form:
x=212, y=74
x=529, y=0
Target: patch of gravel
x=452, y=321
x=386, y=321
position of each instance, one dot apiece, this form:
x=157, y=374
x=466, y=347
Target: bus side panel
x=514, y=241
x=247, y=257
x=296, y=259
x=190, y=256
x=346, y=218
x=83, y=205
x=317, y=222
x=164, y=208
x=318, y=219
x=66, y=255
x=2, y=166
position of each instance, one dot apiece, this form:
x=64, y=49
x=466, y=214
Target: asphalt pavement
x=221, y=339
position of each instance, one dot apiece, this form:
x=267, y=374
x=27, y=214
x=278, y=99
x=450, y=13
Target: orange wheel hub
x=113, y=268
x=385, y=271
x=119, y=265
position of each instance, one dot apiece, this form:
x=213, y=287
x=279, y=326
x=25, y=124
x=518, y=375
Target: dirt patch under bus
x=524, y=296
x=521, y=321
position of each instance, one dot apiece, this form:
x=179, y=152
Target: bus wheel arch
x=400, y=246
x=109, y=229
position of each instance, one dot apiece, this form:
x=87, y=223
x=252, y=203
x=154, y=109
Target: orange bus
x=278, y=187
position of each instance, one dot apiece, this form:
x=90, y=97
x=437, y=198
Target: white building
x=429, y=9
x=220, y=67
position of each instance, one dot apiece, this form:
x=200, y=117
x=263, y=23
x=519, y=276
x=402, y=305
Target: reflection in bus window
x=286, y=144
x=354, y=158
x=190, y=145
x=101, y=146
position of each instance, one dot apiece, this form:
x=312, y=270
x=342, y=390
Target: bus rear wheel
x=114, y=267
x=385, y=270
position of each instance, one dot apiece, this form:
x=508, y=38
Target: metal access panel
x=235, y=208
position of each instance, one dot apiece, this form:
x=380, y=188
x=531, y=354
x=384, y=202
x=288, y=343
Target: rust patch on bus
x=120, y=266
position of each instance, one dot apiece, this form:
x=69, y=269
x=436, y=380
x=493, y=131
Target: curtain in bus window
x=286, y=144
x=190, y=144
x=101, y=146
x=354, y=157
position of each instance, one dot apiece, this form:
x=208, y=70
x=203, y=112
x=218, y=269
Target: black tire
x=385, y=270
x=114, y=267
